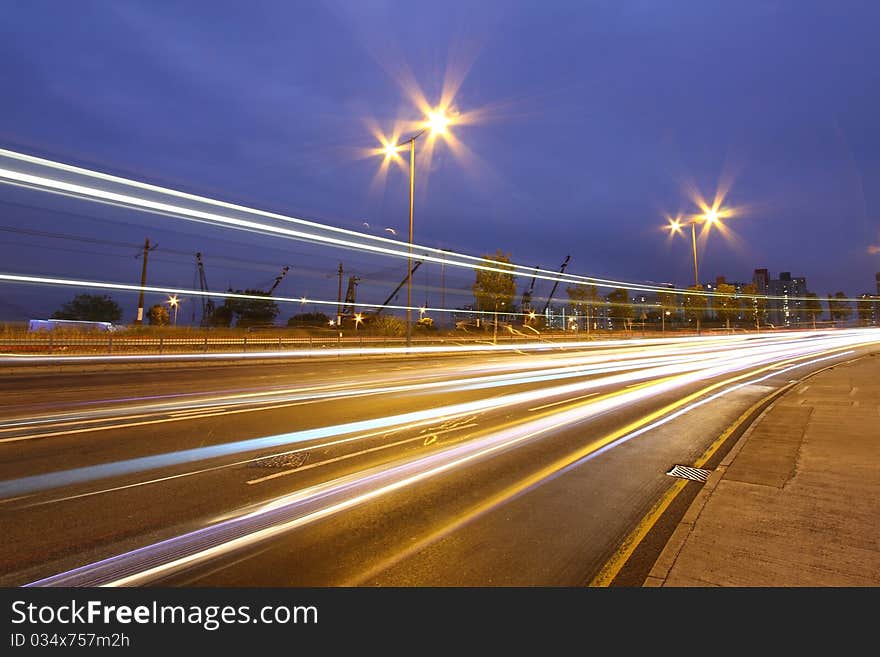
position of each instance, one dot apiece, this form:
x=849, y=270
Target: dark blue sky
x=596, y=119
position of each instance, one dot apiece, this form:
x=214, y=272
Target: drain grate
x=685, y=472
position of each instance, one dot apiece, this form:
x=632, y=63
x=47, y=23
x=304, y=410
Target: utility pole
x=339, y=301
x=140, y=312
x=443, y=288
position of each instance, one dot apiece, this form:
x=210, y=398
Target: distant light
x=390, y=149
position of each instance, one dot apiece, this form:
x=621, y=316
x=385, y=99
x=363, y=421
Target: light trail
x=669, y=377
x=328, y=498
x=39, y=172
x=271, y=401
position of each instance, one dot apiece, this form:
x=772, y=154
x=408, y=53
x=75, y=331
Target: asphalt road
x=519, y=467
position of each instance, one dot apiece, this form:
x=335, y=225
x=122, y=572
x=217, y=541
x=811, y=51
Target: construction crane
x=555, y=284
x=397, y=289
x=526, y=303
x=278, y=279
x=348, y=307
x=207, y=302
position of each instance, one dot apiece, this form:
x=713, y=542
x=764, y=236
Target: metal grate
x=685, y=472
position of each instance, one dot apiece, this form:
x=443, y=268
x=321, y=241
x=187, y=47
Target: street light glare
x=712, y=216
x=438, y=122
x=674, y=226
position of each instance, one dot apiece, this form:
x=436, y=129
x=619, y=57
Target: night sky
x=591, y=121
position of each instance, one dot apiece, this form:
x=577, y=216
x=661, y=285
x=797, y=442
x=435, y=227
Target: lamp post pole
x=412, y=188
x=436, y=123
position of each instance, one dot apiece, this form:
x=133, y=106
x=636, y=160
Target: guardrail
x=47, y=343
x=114, y=343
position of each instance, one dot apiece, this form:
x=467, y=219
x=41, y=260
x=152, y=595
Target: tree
x=494, y=290
x=221, y=317
x=754, y=306
x=389, y=325
x=314, y=319
x=838, y=309
x=252, y=312
x=620, y=308
x=158, y=315
x=813, y=307
x=668, y=302
x=724, y=304
x=583, y=299
x=90, y=308
x=695, y=305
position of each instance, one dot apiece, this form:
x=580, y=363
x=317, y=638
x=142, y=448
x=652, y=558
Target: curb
x=669, y=555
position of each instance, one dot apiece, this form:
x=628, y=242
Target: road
x=511, y=467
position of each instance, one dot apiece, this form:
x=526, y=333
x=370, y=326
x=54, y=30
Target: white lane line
x=161, y=421
x=566, y=401
x=190, y=473
x=353, y=454
x=198, y=412
x=22, y=427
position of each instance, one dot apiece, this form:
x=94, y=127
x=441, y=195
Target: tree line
x=494, y=292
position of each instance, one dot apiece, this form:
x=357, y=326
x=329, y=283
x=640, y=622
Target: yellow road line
x=614, y=565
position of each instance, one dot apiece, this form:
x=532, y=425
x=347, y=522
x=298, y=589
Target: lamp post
x=710, y=217
x=436, y=123
x=174, y=302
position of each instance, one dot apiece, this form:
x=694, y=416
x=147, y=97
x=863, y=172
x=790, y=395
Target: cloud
x=873, y=249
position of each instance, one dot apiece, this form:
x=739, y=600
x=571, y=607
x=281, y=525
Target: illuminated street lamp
x=358, y=319
x=710, y=217
x=436, y=123
x=174, y=302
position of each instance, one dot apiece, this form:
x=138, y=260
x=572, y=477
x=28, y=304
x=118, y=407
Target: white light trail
x=331, y=497
x=44, y=174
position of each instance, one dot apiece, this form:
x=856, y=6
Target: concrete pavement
x=796, y=502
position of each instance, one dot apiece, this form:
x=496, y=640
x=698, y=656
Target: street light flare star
x=438, y=122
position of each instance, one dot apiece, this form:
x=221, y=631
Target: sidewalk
x=797, y=500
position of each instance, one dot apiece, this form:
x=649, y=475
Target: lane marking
x=216, y=467
x=615, y=564
x=353, y=454
x=572, y=399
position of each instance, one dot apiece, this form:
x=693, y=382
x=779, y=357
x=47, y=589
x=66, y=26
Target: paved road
x=507, y=468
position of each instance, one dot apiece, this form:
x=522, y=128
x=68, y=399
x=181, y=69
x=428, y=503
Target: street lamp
x=710, y=217
x=174, y=302
x=436, y=123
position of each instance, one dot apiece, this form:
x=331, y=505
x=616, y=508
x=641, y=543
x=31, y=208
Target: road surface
x=519, y=467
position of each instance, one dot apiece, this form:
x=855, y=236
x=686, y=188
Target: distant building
x=712, y=287
x=789, y=308
x=871, y=303
x=877, y=278
x=761, y=279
